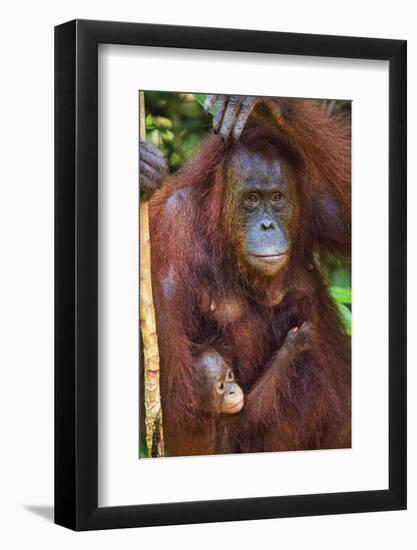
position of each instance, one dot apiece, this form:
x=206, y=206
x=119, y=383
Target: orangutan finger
x=246, y=108
x=148, y=151
x=229, y=116
x=151, y=155
x=154, y=161
x=209, y=102
x=218, y=115
x=150, y=172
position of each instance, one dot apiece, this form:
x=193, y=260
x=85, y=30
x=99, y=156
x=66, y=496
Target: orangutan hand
x=299, y=338
x=232, y=112
x=152, y=169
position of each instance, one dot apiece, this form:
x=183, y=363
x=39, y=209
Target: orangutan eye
x=277, y=197
x=220, y=388
x=230, y=376
x=252, y=199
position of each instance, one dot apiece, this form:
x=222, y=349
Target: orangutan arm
x=262, y=401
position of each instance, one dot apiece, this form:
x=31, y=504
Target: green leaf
x=167, y=135
x=341, y=277
x=149, y=121
x=143, y=450
x=155, y=138
x=346, y=318
x=201, y=98
x=175, y=159
x=341, y=295
x=162, y=122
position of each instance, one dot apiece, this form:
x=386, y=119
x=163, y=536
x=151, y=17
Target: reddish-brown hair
x=191, y=256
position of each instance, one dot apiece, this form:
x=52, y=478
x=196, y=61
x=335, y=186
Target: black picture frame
x=76, y=272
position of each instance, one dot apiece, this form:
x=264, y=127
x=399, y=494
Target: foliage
x=143, y=449
x=337, y=276
x=176, y=123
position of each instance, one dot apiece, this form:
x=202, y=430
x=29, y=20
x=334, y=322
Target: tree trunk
x=153, y=410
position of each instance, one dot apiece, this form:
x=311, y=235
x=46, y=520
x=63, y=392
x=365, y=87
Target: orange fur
x=194, y=265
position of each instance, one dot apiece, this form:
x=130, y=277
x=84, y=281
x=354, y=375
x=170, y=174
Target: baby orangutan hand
x=299, y=338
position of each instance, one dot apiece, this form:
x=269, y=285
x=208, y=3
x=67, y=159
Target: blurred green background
x=175, y=123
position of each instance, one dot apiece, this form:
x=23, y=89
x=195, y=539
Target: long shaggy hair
x=204, y=296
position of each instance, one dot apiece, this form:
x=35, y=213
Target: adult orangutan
x=236, y=236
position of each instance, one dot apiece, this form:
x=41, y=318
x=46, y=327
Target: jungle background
x=176, y=123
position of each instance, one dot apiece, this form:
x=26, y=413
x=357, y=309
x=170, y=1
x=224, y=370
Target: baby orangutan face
x=218, y=390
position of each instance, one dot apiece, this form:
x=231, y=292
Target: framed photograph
x=230, y=248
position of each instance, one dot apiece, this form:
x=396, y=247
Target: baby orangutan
x=220, y=398
x=219, y=393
